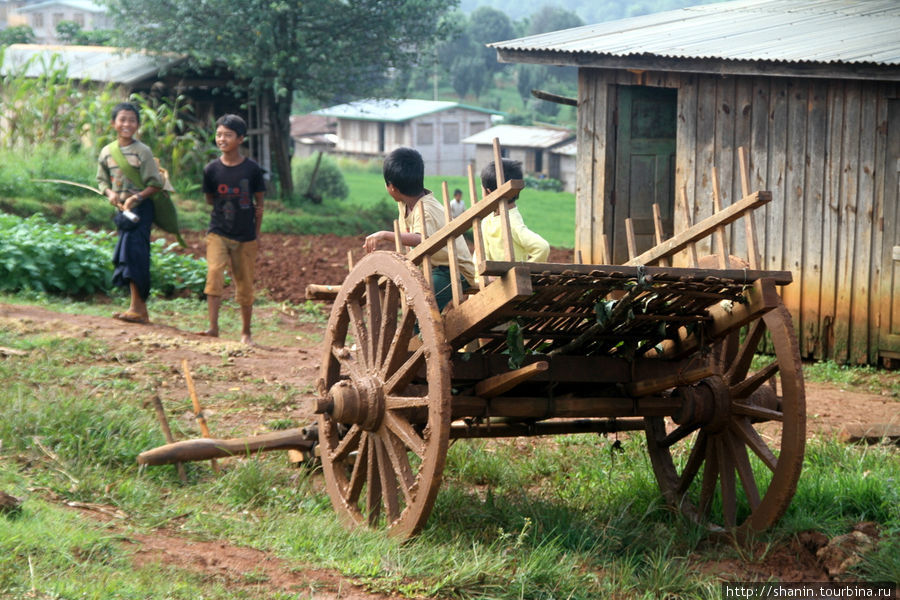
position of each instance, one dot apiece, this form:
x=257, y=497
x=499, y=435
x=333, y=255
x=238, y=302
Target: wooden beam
x=465, y=321
x=853, y=433
x=703, y=228
x=542, y=95
x=498, y=384
x=461, y=223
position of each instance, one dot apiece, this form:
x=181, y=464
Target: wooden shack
x=811, y=90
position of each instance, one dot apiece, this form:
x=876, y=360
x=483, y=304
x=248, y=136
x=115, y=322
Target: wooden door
x=889, y=338
x=644, y=163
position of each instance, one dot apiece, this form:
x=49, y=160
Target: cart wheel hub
x=358, y=402
x=707, y=403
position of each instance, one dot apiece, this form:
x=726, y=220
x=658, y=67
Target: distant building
x=313, y=133
x=43, y=17
x=371, y=128
x=535, y=147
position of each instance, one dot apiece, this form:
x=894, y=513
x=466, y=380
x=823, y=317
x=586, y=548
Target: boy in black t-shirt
x=234, y=186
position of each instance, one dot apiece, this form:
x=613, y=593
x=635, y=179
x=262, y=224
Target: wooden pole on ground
x=198, y=410
x=167, y=433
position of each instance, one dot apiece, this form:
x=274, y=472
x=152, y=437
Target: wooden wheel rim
x=734, y=444
x=386, y=470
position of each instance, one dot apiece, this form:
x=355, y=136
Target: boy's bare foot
x=247, y=339
x=209, y=333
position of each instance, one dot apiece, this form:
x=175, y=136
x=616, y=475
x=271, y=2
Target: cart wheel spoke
x=737, y=370
x=373, y=317
x=394, y=405
x=752, y=439
x=755, y=381
x=745, y=471
x=746, y=431
x=390, y=307
x=404, y=374
x=373, y=490
x=357, y=475
x=347, y=445
x=360, y=331
x=388, y=481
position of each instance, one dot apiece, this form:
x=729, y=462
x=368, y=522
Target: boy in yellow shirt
x=404, y=178
x=527, y=245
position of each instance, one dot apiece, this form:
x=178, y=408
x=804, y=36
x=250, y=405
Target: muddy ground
x=288, y=356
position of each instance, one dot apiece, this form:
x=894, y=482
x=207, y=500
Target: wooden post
x=167, y=433
x=691, y=248
x=455, y=285
x=658, y=232
x=629, y=238
x=606, y=257
x=476, y=231
x=426, y=260
x=398, y=243
x=349, y=260
x=505, y=230
x=720, y=230
x=749, y=221
x=198, y=411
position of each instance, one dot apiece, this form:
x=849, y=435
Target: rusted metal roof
x=91, y=63
x=789, y=31
x=519, y=136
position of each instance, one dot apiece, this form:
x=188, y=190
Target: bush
x=543, y=183
x=56, y=258
x=329, y=182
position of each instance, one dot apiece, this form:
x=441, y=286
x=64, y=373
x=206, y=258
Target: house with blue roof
x=368, y=129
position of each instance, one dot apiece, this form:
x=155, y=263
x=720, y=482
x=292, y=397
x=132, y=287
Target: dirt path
x=235, y=377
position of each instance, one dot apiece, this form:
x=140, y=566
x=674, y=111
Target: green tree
x=330, y=50
x=531, y=76
x=70, y=32
x=18, y=34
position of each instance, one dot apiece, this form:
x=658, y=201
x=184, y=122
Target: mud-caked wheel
x=732, y=456
x=384, y=402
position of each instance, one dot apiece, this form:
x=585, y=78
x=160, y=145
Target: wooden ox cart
x=550, y=349
x=639, y=347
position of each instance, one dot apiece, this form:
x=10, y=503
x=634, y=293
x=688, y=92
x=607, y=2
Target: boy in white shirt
x=527, y=245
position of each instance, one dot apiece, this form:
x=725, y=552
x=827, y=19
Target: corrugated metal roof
x=519, y=136
x=92, y=63
x=813, y=31
x=393, y=110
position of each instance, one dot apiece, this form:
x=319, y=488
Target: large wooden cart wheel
x=732, y=457
x=385, y=397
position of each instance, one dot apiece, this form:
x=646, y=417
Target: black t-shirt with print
x=234, y=207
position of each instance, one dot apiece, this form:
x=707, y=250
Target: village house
x=809, y=88
x=367, y=129
x=43, y=17
x=532, y=146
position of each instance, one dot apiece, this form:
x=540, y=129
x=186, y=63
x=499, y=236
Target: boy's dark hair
x=457, y=191
x=126, y=106
x=512, y=169
x=405, y=169
x=234, y=123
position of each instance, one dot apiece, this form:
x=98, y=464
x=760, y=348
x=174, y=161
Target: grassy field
x=572, y=517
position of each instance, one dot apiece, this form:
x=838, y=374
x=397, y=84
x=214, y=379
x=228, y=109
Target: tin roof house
x=369, y=129
x=809, y=88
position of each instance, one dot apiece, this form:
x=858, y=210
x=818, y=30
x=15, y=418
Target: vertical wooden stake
x=455, y=285
x=606, y=258
x=505, y=230
x=349, y=260
x=476, y=232
x=426, y=260
x=658, y=232
x=167, y=433
x=692, y=249
x=720, y=230
x=629, y=238
x=398, y=243
x=749, y=220
x=198, y=410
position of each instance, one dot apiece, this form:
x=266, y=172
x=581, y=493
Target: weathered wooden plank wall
x=817, y=144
